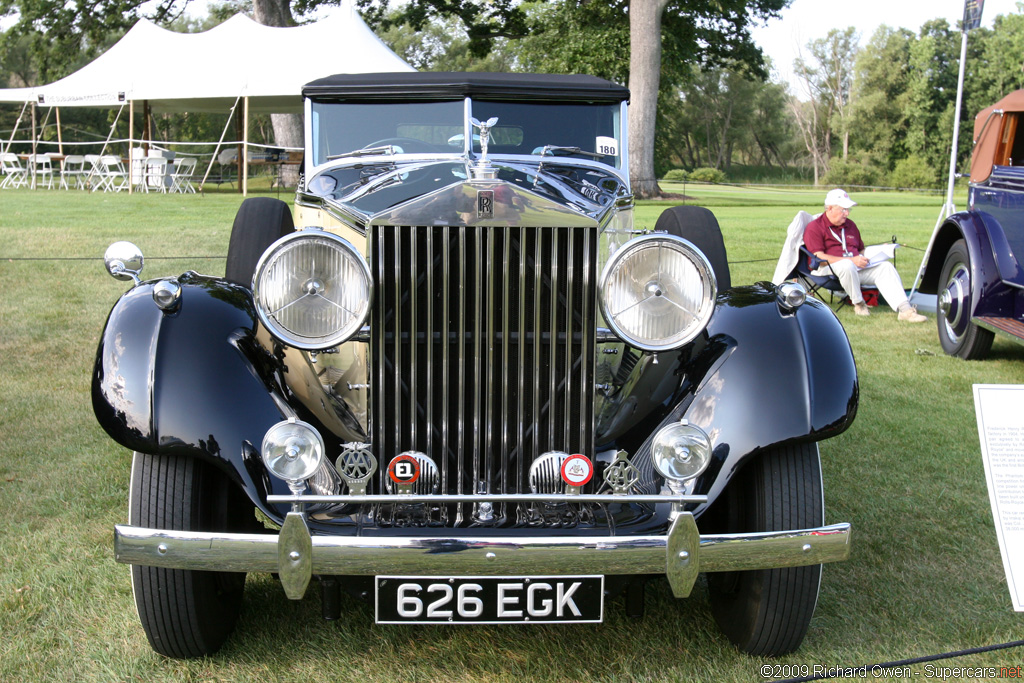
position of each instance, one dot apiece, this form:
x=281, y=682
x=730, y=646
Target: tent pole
x=15, y=130
x=131, y=146
x=60, y=138
x=35, y=147
x=113, y=126
x=219, y=143
x=245, y=148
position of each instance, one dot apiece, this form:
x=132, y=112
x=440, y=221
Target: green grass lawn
x=924, y=576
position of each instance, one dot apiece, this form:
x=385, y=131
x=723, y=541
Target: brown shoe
x=861, y=309
x=910, y=315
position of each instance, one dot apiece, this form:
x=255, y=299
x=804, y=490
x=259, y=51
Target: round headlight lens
x=293, y=450
x=681, y=451
x=312, y=289
x=658, y=292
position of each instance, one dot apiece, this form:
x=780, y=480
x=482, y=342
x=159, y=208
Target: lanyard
x=846, y=252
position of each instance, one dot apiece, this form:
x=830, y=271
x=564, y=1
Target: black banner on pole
x=972, y=14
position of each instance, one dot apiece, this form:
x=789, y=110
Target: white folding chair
x=93, y=171
x=15, y=174
x=112, y=176
x=41, y=167
x=153, y=174
x=72, y=171
x=181, y=178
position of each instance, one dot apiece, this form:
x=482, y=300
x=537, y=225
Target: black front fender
x=765, y=377
x=189, y=381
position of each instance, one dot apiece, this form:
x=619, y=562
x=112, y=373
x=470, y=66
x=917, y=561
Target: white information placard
x=1000, y=412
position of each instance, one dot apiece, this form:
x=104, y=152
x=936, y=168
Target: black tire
x=186, y=613
x=766, y=612
x=699, y=226
x=957, y=334
x=260, y=222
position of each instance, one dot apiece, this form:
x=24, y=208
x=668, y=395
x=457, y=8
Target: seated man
x=834, y=238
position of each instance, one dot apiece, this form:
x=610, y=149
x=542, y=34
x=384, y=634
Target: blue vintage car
x=973, y=263
x=456, y=381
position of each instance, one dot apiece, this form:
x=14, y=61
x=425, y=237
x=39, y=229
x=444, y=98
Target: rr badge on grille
x=356, y=465
x=485, y=204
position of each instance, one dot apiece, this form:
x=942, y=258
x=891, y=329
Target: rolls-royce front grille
x=482, y=353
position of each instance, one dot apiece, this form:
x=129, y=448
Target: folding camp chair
x=797, y=263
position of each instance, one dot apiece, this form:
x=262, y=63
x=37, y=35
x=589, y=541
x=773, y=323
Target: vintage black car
x=973, y=262
x=469, y=388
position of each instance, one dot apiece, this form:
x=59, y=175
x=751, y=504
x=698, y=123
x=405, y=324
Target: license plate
x=489, y=599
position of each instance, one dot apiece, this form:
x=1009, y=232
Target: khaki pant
x=883, y=276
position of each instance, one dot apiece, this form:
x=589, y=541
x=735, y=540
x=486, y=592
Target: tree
x=657, y=39
x=881, y=94
x=828, y=76
x=934, y=67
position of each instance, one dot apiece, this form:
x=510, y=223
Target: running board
x=1010, y=328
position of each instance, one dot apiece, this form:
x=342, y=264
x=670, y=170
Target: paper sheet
x=998, y=408
x=876, y=253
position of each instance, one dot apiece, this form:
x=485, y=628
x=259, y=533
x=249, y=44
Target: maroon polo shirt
x=821, y=235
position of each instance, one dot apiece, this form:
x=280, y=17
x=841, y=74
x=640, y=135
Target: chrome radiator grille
x=482, y=350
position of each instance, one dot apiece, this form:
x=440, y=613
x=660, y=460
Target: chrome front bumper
x=296, y=555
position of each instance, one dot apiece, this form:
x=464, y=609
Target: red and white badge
x=577, y=470
x=404, y=469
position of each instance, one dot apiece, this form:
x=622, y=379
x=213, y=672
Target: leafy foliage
x=707, y=175
x=913, y=172
x=852, y=172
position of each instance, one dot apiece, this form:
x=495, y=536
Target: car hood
x=467, y=192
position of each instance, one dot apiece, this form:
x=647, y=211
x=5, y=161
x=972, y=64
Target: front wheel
x=957, y=334
x=767, y=611
x=260, y=222
x=186, y=613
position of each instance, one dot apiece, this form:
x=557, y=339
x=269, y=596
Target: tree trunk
x=644, y=78
x=287, y=127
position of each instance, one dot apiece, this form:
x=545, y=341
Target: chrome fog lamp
x=792, y=295
x=658, y=292
x=312, y=289
x=681, y=451
x=293, y=450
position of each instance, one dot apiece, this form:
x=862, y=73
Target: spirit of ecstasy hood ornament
x=485, y=135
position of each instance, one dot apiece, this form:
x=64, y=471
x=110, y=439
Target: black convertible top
x=457, y=85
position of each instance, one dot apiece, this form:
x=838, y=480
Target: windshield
x=562, y=128
x=407, y=127
x=350, y=129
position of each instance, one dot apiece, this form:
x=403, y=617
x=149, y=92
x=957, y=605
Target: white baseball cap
x=839, y=197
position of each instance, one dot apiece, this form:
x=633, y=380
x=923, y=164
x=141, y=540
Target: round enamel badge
x=577, y=470
x=404, y=469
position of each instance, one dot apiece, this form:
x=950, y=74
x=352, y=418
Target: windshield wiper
x=556, y=150
x=364, y=152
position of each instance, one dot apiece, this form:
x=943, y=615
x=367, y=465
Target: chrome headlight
x=658, y=292
x=312, y=289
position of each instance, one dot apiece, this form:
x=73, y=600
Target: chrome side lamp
x=124, y=261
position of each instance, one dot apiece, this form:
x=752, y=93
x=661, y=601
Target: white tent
x=209, y=71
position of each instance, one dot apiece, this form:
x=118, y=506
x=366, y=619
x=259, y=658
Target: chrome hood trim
x=526, y=191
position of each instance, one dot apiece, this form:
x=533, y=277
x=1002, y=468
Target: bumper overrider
x=296, y=555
